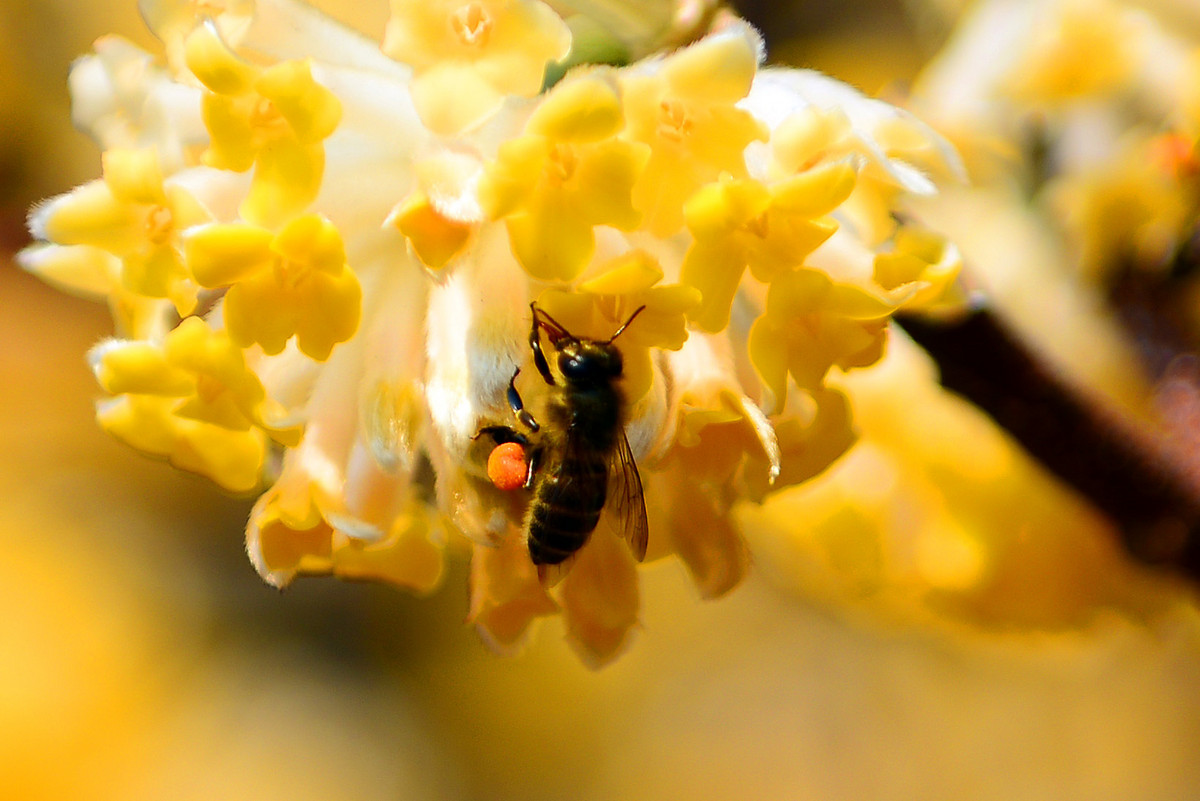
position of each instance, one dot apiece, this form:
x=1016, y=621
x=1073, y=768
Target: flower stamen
x=160, y=224
x=674, y=122
x=472, y=25
x=563, y=162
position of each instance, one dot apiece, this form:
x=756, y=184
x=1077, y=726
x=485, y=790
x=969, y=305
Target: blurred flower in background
x=959, y=606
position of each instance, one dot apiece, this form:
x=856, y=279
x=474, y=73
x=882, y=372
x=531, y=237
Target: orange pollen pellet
x=506, y=466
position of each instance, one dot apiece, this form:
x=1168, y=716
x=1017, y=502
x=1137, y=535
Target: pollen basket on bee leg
x=507, y=467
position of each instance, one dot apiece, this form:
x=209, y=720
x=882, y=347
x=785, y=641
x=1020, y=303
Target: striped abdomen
x=566, y=507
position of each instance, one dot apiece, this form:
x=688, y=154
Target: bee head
x=585, y=361
x=582, y=362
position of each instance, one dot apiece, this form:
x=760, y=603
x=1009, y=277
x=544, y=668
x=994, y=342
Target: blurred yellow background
x=142, y=658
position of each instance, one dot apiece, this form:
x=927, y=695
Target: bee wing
x=628, y=498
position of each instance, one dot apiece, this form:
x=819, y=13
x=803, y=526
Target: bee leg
x=502, y=434
x=518, y=406
x=535, y=344
x=534, y=459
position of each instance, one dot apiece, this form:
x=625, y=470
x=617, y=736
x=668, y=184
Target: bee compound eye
x=573, y=366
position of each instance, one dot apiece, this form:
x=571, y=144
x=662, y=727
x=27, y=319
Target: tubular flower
x=360, y=308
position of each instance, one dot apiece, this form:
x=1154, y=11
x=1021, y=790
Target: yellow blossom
x=468, y=55
x=273, y=119
x=565, y=175
x=684, y=110
x=924, y=261
x=294, y=283
x=811, y=324
x=136, y=217
x=742, y=223
x=191, y=399
x=282, y=548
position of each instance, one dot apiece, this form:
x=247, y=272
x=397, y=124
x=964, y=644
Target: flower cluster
x=321, y=258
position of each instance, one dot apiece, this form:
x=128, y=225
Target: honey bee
x=578, y=457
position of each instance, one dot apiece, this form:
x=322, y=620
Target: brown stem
x=1133, y=474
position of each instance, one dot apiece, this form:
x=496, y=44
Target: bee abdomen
x=566, y=510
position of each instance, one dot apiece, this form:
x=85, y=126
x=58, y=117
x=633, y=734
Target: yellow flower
x=739, y=224
x=294, y=283
x=281, y=549
x=273, y=119
x=811, y=324
x=684, y=108
x=923, y=261
x=135, y=216
x=468, y=55
x=567, y=174
x=191, y=399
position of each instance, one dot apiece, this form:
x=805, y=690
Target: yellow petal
x=287, y=177
x=809, y=135
x=91, y=215
x=257, y=311
x=506, y=595
x=224, y=253
x=585, y=109
x=600, y=598
x=80, y=270
x=312, y=111
x=140, y=368
x=815, y=192
x=134, y=176
x=603, y=186
x=715, y=269
x=718, y=69
x=214, y=64
x=724, y=206
x=453, y=97
x=280, y=551
x=508, y=181
x=331, y=307
x=705, y=538
x=406, y=558
x=635, y=271
x=435, y=238
x=768, y=351
x=232, y=140
x=312, y=240
x=553, y=245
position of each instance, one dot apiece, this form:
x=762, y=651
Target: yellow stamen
x=160, y=223
x=471, y=25
x=674, y=122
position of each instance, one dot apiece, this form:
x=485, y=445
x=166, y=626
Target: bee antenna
x=638, y=311
x=553, y=327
